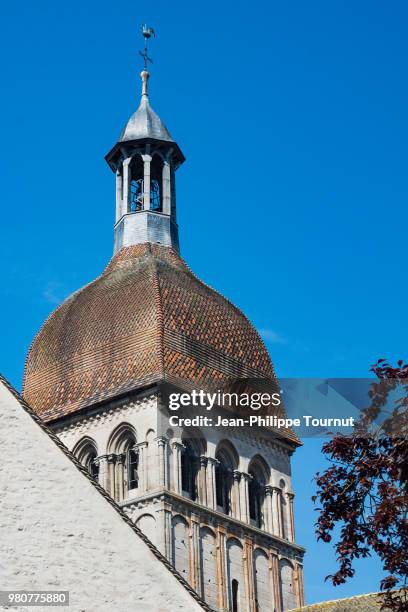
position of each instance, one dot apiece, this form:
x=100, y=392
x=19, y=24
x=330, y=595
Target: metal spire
x=147, y=33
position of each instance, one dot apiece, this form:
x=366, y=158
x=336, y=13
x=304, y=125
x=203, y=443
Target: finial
x=147, y=33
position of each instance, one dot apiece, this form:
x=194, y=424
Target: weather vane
x=147, y=33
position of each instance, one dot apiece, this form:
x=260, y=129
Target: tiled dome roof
x=146, y=319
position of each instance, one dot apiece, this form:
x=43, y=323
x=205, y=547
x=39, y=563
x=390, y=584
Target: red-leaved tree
x=364, y=492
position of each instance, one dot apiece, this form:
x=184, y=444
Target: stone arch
x=235, y=575
x=86, y=451
x=287, y=586
x=120, y=438
x=196, y=438
x=150, y=435
x=147, y=524
x=194, y=446
x=259, y=465
x=208, y=566
x=180, y=545
x=260, y=476
x=123, y=459
x=227, y=453
x=263, y=595
x=228, y=460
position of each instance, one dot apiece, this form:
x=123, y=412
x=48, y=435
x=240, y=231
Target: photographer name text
x=260, y=421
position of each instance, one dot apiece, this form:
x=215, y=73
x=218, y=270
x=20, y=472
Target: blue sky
x=292, y=201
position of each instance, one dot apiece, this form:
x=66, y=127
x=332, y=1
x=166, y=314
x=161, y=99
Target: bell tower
x=218, y=502
x=144, y=160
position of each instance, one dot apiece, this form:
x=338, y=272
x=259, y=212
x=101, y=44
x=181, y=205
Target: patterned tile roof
x=146, y=319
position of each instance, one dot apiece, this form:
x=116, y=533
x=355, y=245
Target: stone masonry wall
x=58, y=532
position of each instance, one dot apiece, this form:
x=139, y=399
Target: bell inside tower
x=156, y=173
x=136, y=184
x=140, y=179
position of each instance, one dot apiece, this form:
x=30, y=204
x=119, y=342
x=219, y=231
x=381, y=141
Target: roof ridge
x=160, y=314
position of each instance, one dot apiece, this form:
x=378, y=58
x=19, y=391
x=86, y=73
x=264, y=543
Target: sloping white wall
x=57, y=531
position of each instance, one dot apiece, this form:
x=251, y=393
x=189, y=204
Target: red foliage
x=365, y=490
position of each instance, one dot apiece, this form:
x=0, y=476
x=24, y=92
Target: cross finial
x=147, y=33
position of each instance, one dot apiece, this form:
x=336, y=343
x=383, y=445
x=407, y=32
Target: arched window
x=122, y=447
x=223, y=482
x=235, y=575
x=156, y=173
x=136, y=184
x=189, y=470
x=287, y=586
x=93, y=468
x=260, y=473
x=194, y=447
x=255, y=501
x=132, y=464
x=86, y=453
x=227, y=462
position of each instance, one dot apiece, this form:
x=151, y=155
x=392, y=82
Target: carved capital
x=121, y=458
x=176, y=445
x=100, y=460
x=203, y=461
x=161, y=441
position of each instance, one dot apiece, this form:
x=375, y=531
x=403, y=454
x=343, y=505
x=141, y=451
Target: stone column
x=276, y=590
x=162, y=455
x=141, y=449
x=103, y=477
x=221, y=569
x=248, y=562
x=164, y=529
x=236, y=495
x=269, y=511
x=202, y=481
x=195, y=552
x=300, y=586
x=146, y=181
x=176, y=448
x=120, y=477
x=173, y=193
x=291, y=519
x=167, y=531
x=211, y=492
x=111, y=475
x=166, y=190
x=119, y=185
x=277, y=512
x=125, y=187
x=245, y=478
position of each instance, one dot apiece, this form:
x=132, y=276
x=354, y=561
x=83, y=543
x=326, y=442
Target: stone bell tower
x=217, y=502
